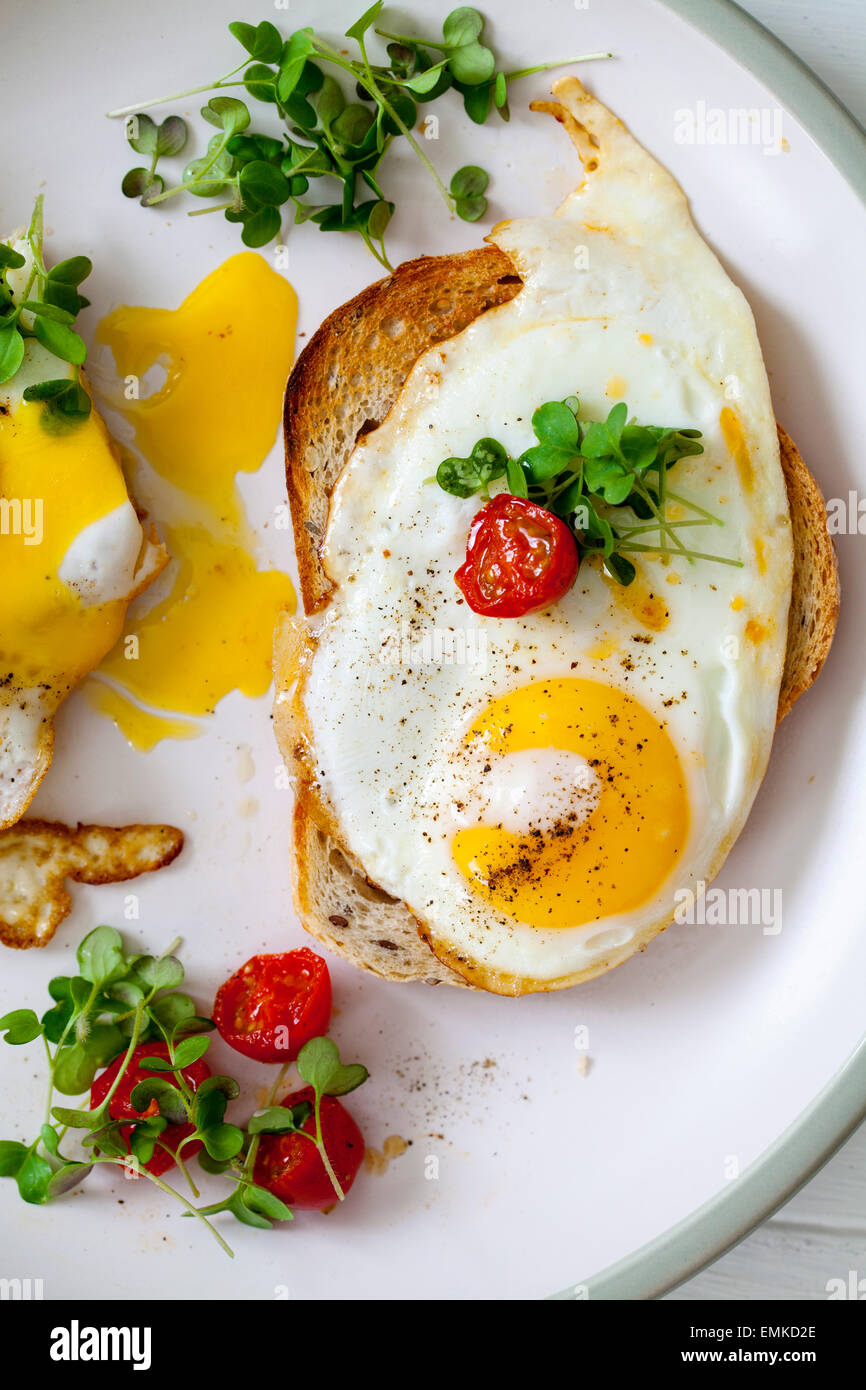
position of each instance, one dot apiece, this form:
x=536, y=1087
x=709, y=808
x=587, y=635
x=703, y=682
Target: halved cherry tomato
x=519, y=558
x=292, y=1168
x=274, y=1004
x=120, y=1106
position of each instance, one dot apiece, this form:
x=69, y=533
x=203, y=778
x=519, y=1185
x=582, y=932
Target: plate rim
x=821, y=1129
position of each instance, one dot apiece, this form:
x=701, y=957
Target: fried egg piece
x=73, y=553
x=647, y=712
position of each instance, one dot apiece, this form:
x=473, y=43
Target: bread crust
x=353, y=368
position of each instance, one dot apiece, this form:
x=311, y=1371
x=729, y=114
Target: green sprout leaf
x=77, y=1119
x=262, y=41
x=227, y=114
x=71, y=271
x=166, y=972
x=360, y=27
x=261, y=83
x=11, y=352
x=223, y=1141
x=280, y=1119
x=12, y=1155
x=10, y=259
x=261, y=227
x=463, y=477
x=100, y=955
x=462, y=26
x=190, y=1050
x=297, y=51
x=172, y=135
x=259, y=1199
x=33, y=1177
x=20, y=1026
x=70, y=1176
x=141, y=183
x=169, y=1100
x=262, y=183
x=319, y=1064
x=467, y=189
x=142, y=133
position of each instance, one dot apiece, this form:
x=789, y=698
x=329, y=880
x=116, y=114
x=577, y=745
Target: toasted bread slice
x=343, y=385
x=37, y=856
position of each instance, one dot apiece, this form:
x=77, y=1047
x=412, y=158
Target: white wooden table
x=821, y=1234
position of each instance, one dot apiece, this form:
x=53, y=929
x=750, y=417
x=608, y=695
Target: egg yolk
x=213, y=632
x=49, y=637
x=618, y=857
x=227, y=352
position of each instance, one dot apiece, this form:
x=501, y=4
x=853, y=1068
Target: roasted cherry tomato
x=292, y=1168
x=120, y=1106
x=519, y=558
x=274, y=1004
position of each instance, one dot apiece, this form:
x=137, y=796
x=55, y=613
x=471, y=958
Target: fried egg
x=538, y=790
x=73, y=552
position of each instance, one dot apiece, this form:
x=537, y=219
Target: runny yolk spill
x=732, y=429
x=143, y=729
x=618, y=857
x=227, y=352
x=616, y=388
x=49, y=637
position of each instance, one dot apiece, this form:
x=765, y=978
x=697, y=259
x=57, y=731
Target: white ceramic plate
x=704, y=1049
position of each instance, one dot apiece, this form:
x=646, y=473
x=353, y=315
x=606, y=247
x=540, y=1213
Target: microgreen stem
x=320, y=1145
x=50, y=1080
x=662, y=520
x=250, y=1160
x=407, y=39
x=546, y=67
x=368, y=81
x=178, y=96
x=175, y=1154
x=133, y=1043
x=693, y=506
x=173, y=1192
x=200, y=176
x=654, y=526
x=690, y=554
x=216, y=207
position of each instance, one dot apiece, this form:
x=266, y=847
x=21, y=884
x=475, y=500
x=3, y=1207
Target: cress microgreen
x=467, y=190
x=148, y=138
x=607, y=479
x=327, y=134
x=320, y=1066
x=42, y=304
x=117, y=1002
